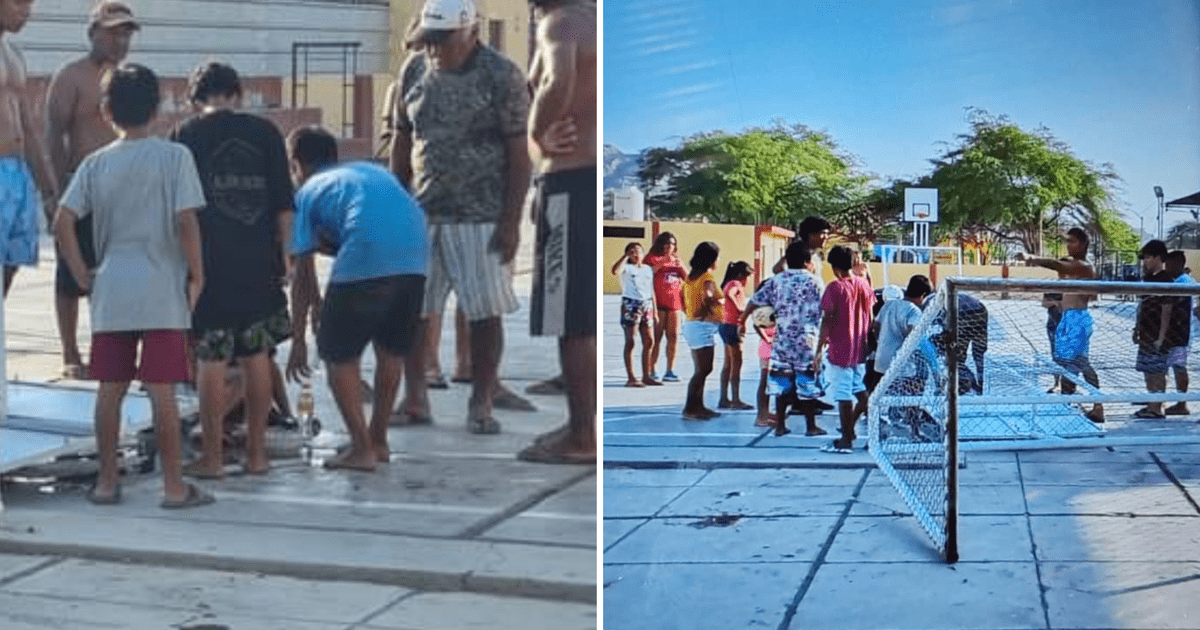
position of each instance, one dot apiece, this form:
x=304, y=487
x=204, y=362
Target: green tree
x=1015, y=185
x=774, y=175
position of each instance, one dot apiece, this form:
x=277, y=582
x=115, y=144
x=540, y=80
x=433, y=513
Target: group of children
x=814, y=338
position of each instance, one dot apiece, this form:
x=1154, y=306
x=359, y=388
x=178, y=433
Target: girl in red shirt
x=669, y=273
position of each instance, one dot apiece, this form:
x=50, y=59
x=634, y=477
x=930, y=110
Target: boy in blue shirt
x=358, y=213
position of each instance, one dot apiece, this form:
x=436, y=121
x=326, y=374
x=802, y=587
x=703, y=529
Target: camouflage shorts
x=223, y=344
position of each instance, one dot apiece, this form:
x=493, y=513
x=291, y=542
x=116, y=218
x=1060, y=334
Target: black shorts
x=563, y=303
x=383, y=311
x=64, y=282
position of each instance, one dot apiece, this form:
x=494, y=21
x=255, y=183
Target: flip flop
x=97, y=499
x=1146, y=414
x=195, y=497
x=483, y=426
x=191, y=470
x=764, y=422
x=551, y=387
x=509, y=401
x=333, y=463
x=741, y=406
x=406, y=419
x=436, y=381
x=815, y=432
x=833, y=447
x=540, y=453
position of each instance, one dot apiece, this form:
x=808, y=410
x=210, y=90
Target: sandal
x=99, y=499
x=483, y=426
x=195, y=497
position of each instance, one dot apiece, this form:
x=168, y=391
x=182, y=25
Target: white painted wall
x=629, y=204
x=255, y=36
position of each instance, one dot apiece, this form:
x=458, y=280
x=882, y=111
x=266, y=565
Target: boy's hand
x=194, y=287
x=505, y=240
x=85, y=283
x=297, y=363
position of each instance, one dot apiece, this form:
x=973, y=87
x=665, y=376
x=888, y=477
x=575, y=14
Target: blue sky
x=1117, y=80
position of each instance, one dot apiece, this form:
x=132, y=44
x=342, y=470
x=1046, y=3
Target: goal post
x=973, y=375
x=891, y=255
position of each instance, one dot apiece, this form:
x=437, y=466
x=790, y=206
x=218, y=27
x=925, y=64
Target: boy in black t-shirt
x=1152, y=328
x=242, y=313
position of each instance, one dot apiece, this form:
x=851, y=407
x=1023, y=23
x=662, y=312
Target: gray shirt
x=460, y=122
x=134, y=190
x=896, y=319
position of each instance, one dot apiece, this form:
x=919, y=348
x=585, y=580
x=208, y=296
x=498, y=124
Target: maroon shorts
x=164, y=356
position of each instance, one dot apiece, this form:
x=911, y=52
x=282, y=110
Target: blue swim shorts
x=1072, y=338
x=20, y=204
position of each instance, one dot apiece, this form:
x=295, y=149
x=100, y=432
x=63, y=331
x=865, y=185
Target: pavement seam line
x=1175, y=480
x=41, y=566
x=790, y=613
x=645, y=520
x=1037, y=565
x=477, y=530
x=386, y=607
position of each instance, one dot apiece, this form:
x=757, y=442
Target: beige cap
x=111, y=13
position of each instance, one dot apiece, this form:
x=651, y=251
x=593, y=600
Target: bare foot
x=383, y=453
x=352, y=460
x=649, y=381
x=559, y=449
x=203, y=469
x=700, y=414
x=633, y=382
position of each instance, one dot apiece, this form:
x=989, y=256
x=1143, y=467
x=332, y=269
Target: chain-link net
x=1030, y=365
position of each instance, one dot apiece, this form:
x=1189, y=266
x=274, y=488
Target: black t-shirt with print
x=1149, y=317
x=243, y=167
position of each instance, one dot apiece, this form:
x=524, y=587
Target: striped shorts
x=459, y=260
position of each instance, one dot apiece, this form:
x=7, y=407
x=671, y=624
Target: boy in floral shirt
x=795, y=294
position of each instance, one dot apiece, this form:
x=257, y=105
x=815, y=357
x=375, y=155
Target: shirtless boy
x=74, y=128
x=22, y=157
x=562, y=134
x=1073, y=336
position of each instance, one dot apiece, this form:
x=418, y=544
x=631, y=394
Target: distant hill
x=620, y=169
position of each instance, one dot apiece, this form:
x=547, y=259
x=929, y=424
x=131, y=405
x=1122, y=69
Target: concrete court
x=721, y=525
x=453, y=533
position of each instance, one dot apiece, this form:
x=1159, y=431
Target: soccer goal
x=892, y=255
x=979, y=373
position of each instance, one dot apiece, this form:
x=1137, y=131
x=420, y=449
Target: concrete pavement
x=453, y=533
x=721, y=525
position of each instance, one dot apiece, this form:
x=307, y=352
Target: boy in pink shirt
x=846, y=306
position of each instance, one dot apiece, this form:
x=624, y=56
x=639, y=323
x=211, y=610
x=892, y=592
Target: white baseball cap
x=892, y=292
x=440, y=17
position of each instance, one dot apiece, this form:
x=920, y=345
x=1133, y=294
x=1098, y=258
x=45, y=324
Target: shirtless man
x=75, y=128
x=1074, y=332
x=21, y=152
x=562, y=138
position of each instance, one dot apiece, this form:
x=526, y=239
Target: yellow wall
x=325, y=93
x=735, y=241
x=514, y=14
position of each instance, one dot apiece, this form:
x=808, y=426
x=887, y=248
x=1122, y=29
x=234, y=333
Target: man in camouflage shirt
x=460, y=147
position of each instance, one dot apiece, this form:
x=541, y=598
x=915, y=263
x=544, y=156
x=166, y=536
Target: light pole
x=1158, y=192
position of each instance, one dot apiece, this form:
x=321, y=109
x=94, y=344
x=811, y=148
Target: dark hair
x=1154, y=248
x=918, y=287
x=736, y=271
x=631, y=245
x=1080, y=234
x=131, y=91
x=1177, y=256
x=812, y=225
x=213, y=78
x=660, y=243
x=798, y=254
x=703, y=259
x=841, y=257
x=312, y=146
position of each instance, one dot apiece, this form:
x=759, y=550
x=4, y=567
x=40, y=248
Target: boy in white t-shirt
x=637, y=310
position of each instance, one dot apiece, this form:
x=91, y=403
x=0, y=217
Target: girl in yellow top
x=702, y=302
